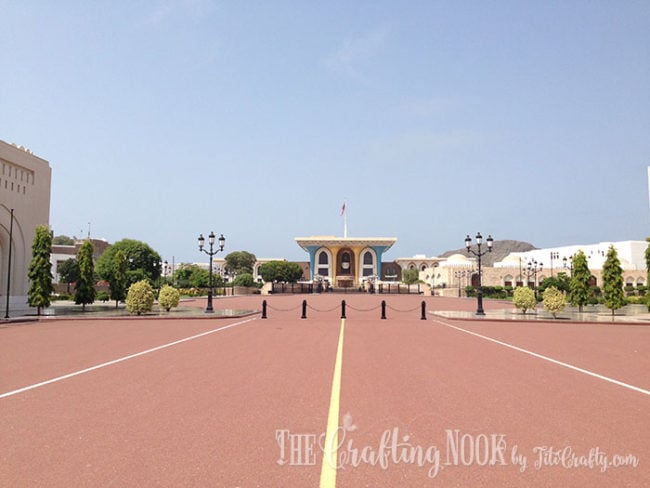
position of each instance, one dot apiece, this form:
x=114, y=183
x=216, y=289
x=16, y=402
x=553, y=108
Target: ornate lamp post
x=532, y=270
x=570, y=260
x=554, y=255
x=211, y=252
x=479, y=254
x=460, y=275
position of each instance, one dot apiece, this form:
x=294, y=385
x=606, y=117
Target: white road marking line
x=125, y=358
x=546, y=358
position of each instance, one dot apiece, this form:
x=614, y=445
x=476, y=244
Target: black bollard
x=342, y=309
x=424, y=313
x=304, y=309
x=263, y=309
x=383, y=310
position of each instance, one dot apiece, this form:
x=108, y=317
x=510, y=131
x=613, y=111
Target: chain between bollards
x=423, y=315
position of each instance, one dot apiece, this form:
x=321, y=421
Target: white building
x=630, y=253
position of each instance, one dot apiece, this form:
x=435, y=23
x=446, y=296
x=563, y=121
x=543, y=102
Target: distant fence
x=293, y=288
x=382, y=288
x=399, y=288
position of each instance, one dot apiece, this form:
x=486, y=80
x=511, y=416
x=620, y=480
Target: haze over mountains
x=500, y=249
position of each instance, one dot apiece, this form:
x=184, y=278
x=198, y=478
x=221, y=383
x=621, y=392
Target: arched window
x=368, y=268
x=323, y=268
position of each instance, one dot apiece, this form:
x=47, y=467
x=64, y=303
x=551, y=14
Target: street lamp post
x=211, y=252
x=11, y=233
x=554, y=255
x=479, y=254
x=532, y=270
x=570, y=260
x=460, y=275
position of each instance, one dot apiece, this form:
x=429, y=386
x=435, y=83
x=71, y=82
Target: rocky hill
x=500, y=250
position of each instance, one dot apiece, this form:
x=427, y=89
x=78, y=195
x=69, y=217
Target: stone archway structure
x=25, y=181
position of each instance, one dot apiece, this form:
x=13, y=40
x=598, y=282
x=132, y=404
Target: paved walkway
x=101, y=310
x=631, y=314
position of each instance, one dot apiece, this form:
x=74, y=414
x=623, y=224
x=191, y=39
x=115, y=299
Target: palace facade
x=347, y=262
x=25, y=181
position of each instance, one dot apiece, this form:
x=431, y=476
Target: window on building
x=323, y=268
x=368, y=264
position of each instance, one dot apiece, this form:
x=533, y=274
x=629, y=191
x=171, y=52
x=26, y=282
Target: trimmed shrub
x=139, y=299
x=524, y=298
x=169, y=297
x=554, y=300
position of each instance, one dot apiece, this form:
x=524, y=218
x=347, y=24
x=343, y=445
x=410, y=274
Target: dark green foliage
x=119, y=278
x=239, y=262
x=193, y=276
x=142, y=261
x=63, y=241
x=103, y=296
x=613, y=294
x=562, y=282
x=68, y=271
x=280, y=271
x=244, y=279
x=496, y=292
x=579, y=292
x=410, y=276
x=40, y=270
x=85, y=290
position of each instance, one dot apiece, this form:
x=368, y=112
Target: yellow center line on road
x=330, y=449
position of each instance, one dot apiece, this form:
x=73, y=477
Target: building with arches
x=25, y=181
x=348, y=261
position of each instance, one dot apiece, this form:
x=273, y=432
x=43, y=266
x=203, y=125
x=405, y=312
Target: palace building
x=25, y=181
x=348, y=261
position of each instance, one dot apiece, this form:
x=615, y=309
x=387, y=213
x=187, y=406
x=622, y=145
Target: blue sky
x=163, y=119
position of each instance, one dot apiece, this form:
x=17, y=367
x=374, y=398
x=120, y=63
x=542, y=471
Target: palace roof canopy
x=332, y=241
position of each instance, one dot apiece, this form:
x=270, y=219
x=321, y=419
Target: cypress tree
x=119, y=277
x=85, y=291
x=579, y=293
x=40, y=270
x=613, y=281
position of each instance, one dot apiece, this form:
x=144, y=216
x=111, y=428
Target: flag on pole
x=343, y=209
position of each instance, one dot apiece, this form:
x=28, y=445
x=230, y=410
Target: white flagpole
x=345, y=219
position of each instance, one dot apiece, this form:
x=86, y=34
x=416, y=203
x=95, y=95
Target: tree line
x=129, y=261
x=577, y=289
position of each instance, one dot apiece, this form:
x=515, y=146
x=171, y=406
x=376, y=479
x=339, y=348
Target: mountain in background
x=500, y=249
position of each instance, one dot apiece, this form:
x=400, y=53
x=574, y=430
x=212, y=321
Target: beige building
x=449, y=276
x=25, y=181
